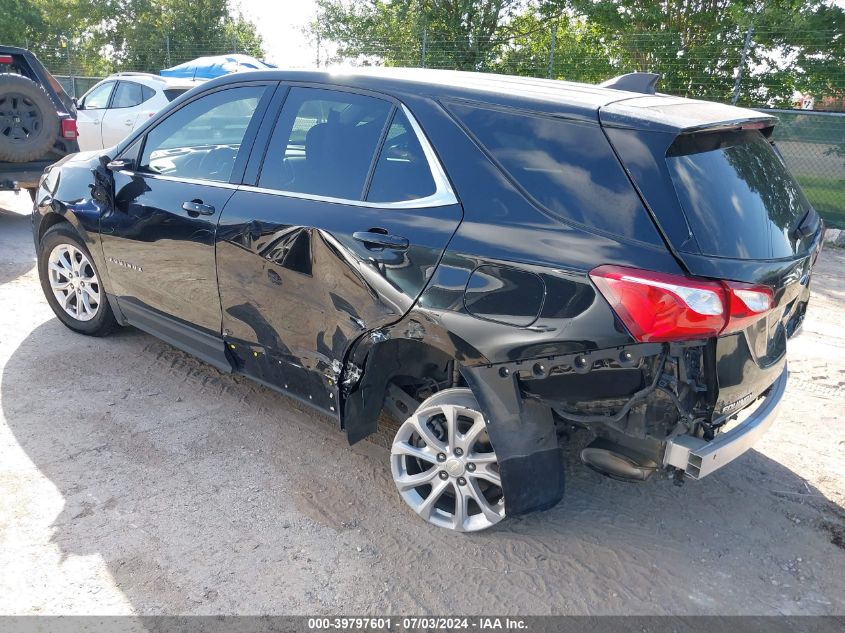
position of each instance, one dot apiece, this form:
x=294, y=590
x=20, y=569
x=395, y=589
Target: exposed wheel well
x=417, y=368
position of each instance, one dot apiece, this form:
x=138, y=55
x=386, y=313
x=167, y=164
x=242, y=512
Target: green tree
x=459, y=34
x=94, y=38
x=696, y=45
x=581, y=51
x=22, y=21
x=149, y=34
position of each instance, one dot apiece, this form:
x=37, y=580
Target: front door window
x=201, y=140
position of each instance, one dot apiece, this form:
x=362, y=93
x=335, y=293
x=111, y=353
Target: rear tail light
x=746, y=304
x=663, y=307
x=69, y=129
x=6, y=59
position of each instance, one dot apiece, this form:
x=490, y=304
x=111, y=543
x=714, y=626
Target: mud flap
x=523, y=435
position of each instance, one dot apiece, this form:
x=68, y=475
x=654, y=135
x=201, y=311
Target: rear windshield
x=566, y=166
x=172, y=93
x=739, y=198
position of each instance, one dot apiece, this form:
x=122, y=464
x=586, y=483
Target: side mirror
x=120, y=164
x=78, y=104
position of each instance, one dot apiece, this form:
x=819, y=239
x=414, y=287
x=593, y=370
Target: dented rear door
x=336, y=237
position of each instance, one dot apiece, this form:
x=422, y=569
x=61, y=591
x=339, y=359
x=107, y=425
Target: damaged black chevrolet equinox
x=489, y=259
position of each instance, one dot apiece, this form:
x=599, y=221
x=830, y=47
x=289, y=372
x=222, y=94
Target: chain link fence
x=77, y=86
x=813, y=145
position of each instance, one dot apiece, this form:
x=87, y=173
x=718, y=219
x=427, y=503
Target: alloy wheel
x=444, y=465
x=74, y=282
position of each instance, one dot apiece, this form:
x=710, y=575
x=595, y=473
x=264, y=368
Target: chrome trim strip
x=420, y=203
x=698, y=458
x=190, y=181
x=443, y=194
x=442, y=186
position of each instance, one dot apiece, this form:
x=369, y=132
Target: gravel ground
x=136, y=479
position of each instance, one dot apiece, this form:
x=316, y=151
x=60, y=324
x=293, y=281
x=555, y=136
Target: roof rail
x=645, y=83
x=136, y=74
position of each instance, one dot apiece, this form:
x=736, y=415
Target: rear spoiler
x=677, y=115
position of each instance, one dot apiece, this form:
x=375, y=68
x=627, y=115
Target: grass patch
x=827, y=195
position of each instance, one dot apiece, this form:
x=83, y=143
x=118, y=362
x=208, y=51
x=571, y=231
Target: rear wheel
x=444, y=465
x=71, y=283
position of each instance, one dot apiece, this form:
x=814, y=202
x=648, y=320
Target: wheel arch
x=50, y=220
x=380, y=362
x=522, y=431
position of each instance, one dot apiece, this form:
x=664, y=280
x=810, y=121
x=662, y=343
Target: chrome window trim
x=442, y=186
x=189, y=181
x=443, y=195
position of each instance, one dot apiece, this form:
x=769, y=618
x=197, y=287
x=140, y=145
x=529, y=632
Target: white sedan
x=120, y=103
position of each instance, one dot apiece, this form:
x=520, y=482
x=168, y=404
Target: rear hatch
x=729, y=209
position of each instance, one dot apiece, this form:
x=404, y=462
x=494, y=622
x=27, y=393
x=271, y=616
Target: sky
x=280, y=22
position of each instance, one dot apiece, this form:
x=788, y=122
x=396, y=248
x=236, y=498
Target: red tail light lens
x=69, y=129
x=662, y=307
x=6, y=59
x=747, y=304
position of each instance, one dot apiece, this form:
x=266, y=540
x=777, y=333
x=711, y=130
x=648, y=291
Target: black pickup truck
x=37, y=120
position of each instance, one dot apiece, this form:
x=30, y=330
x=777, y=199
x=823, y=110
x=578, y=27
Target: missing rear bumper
x=698, y=458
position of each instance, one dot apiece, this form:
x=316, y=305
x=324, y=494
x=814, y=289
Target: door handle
x=196, y=208
x=128, y=122
x=373, y=238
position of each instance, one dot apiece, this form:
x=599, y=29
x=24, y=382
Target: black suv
x=37, y=120
x=490, y=259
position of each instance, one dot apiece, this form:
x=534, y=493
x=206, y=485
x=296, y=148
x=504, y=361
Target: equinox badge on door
x=120, y=262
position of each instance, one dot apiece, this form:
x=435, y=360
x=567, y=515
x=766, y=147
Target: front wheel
x=444, y=465
x=71, y=284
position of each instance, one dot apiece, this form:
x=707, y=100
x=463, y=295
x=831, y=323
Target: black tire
x=103, y=321
x=29, y=123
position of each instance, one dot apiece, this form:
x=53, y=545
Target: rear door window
x=566, y=166
x=128, y=95
x=402, y=171
x=739, y=198
x=324, y=143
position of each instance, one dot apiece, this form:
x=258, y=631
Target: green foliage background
x=696, y=45
x=95, y=38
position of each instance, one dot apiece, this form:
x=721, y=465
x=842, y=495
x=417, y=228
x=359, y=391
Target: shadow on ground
x=205, y=493
x=17, y=254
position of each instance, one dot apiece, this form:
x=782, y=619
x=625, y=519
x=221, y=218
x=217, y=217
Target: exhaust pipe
x=617, y=461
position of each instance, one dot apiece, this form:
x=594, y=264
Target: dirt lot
x=135, y=479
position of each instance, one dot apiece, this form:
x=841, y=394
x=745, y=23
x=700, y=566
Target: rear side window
x=402, y=171
x=171, y=93
x=566, y=166
x=739, y=198
x=324, y=143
